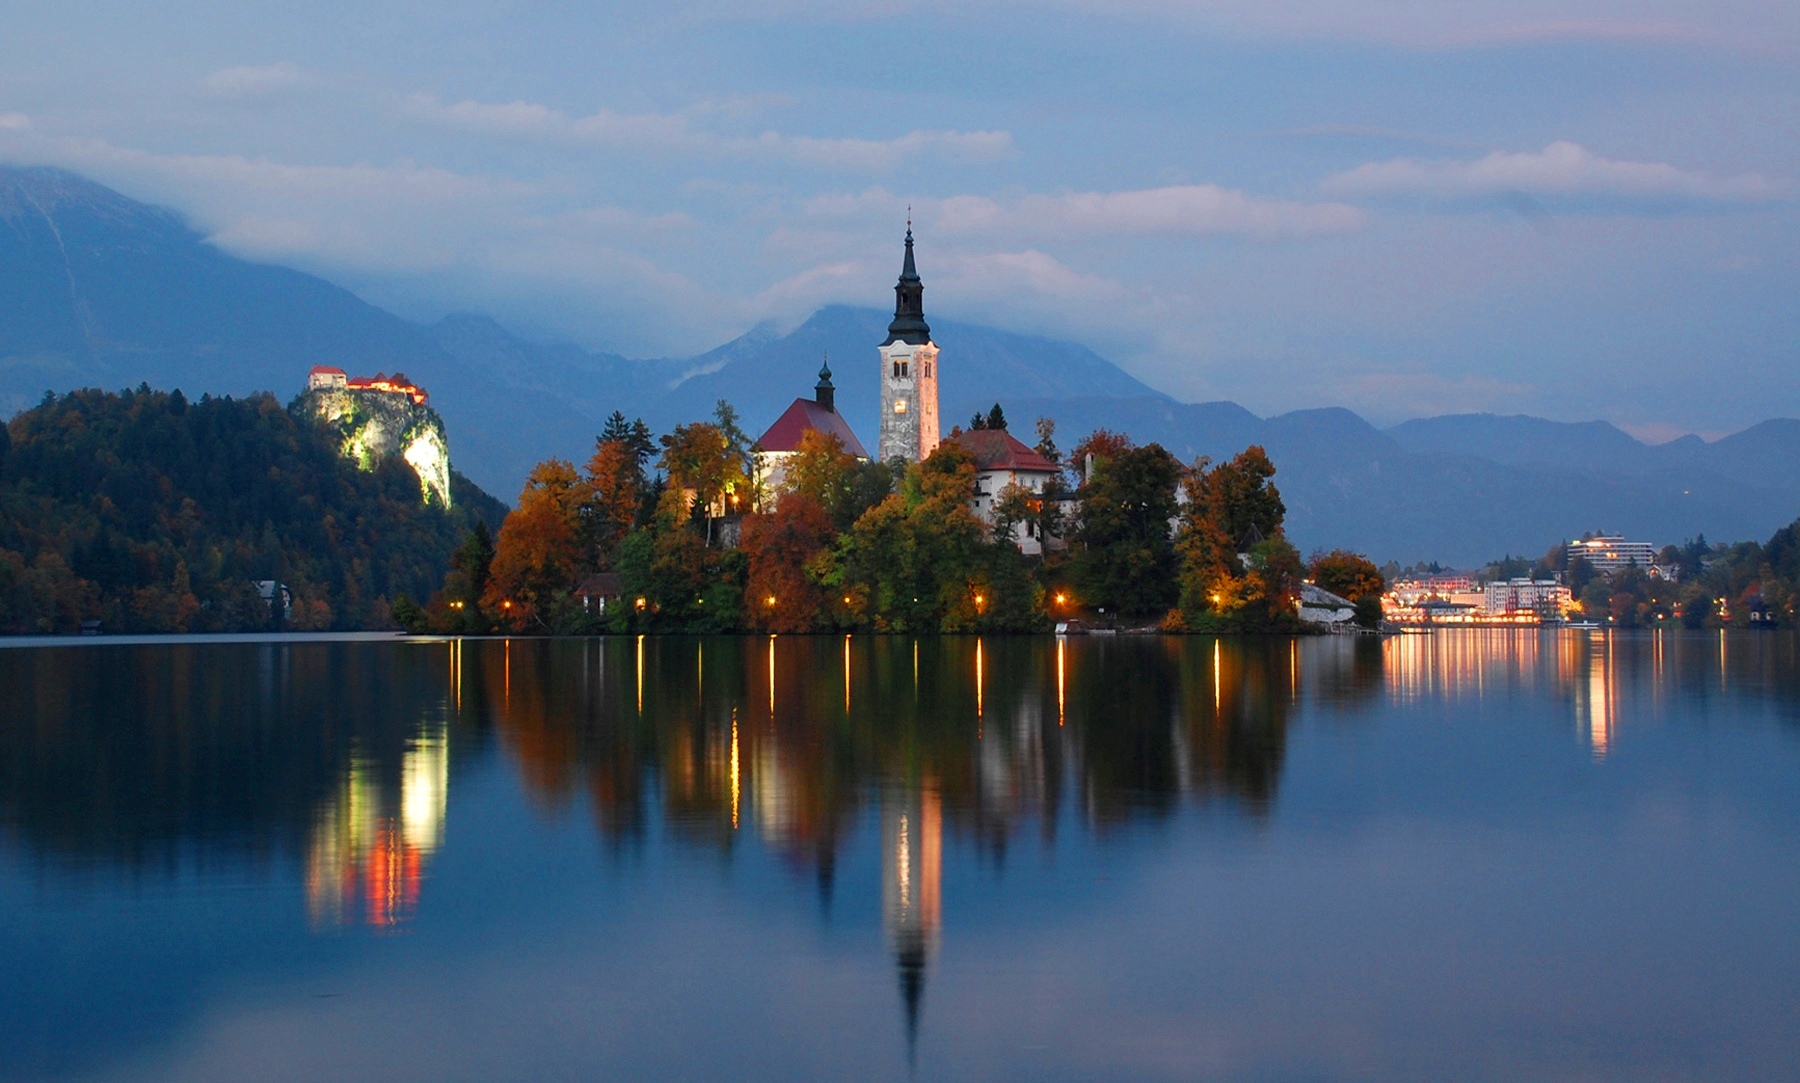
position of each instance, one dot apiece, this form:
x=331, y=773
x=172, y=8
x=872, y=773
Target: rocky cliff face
x=376, y=425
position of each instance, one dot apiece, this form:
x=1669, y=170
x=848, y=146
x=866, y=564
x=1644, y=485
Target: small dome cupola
x=823, y=392
x=909, y=324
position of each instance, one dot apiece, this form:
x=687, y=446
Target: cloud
x=993, y=275
x=245, y=82
x=1187, y=210
x=676, y=133
x=14, y=122
x=1562, y=170
x=1744, y=25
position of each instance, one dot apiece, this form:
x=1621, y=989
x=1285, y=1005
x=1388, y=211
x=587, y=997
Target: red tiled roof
x=322, y=370
x=996, y=449
x=806, y=414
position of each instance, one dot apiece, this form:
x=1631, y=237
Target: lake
x=1510, y=854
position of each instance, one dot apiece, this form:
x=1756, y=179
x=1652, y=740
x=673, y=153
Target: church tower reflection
x=912, y=840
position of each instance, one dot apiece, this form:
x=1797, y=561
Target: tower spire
x=909, y=324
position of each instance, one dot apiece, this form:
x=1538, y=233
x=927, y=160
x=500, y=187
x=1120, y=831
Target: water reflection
x=339, y=762
x=371, y=839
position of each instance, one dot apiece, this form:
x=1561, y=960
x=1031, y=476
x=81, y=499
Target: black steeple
x=909, y=324
x=823, y=393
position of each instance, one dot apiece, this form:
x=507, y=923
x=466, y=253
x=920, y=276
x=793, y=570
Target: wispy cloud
x=678, y=134
x=1562, y=170
x=249, y=81
x=1188, y=210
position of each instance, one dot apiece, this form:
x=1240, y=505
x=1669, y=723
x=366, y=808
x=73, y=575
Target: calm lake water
x=1471, y=855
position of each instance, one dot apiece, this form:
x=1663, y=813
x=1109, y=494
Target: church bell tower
x=909, y=387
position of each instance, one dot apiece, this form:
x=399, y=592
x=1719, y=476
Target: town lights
x=769, y=601
x=506, y=604
x=980, y=600
x=1061, y=598
x=456, y=605
x=640, y=605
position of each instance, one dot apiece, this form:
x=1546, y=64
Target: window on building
x=904, y=365
x=899, y=406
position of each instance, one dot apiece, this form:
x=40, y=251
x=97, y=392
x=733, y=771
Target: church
x=909, y=394
x=909, y=417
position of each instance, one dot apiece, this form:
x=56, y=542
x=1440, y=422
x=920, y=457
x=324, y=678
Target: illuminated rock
x=380, y=417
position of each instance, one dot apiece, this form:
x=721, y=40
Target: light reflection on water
x=922, y=783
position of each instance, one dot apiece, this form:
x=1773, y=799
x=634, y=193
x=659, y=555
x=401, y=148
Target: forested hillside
x=152, y=513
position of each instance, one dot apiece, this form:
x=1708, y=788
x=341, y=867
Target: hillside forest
x=146, y=512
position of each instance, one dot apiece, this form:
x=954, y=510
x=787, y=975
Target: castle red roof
x=806, y=414
x=995, y=449
x=326, y=370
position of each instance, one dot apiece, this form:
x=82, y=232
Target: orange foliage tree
x=612, y=499
x=537, y=557
x=779, y=594
x=1350, y=575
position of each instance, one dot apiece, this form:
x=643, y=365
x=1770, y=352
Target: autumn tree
x=1346, y=574
x=612, y=498
x=1237, y=569
x=821, y=470
x=538, y=556
x=706, y=474
x=778, y=547
x=1097, y=446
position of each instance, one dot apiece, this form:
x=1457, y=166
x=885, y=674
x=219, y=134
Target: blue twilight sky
x=1570, y=209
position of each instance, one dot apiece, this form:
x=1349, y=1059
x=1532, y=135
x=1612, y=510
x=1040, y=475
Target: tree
x=1346, y=574
x=737, y=442
x=1046, y=440
x=611, y=499
x=915, y=561
x=778, y=546
x=822, y=471
x=1014, y=505
x=1237, y=571
x=1125, y=559
x=996, y=418
x=706, y=474
x=1096, y=446
x=538, y=557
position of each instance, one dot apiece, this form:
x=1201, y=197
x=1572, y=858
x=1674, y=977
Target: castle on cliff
x=381, y=416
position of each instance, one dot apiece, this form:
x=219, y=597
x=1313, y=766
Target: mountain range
x=99, y=290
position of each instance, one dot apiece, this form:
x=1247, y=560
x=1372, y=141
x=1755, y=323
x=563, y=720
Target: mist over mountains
x=99, y=290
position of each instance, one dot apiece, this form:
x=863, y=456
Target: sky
x=1408, y=207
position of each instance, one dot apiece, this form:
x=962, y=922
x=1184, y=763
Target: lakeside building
x=777, y=446
x=1527, y=600
x=1506, y=601
x=1316, y=605
x=1609, y=553
x=1002, y=461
